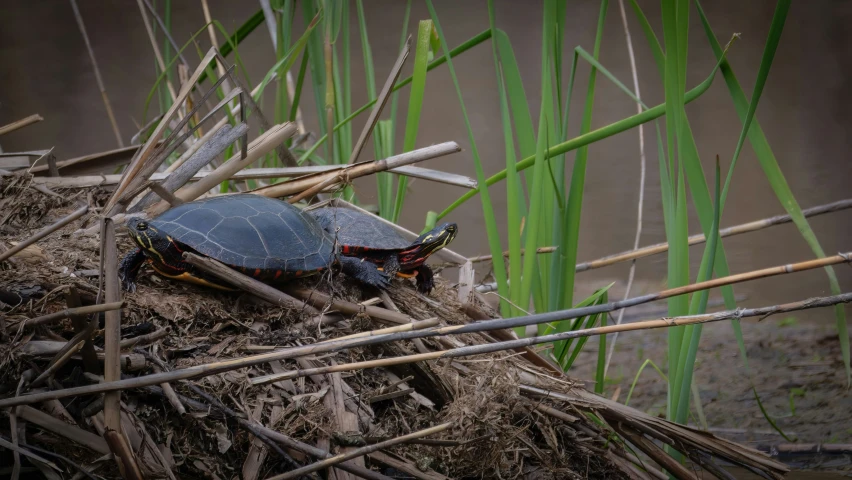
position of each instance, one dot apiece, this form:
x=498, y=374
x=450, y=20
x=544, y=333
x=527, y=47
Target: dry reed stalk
x=675, y=435
x=144, y=339
x=214, y=368
x=195, y=146
x=337, y=459
x=113, y=433
x=655, y=453
x=75, y=434
x=284, y=153
x=318, y=300
x=320, y=453
x=417, y=325
x=350, y=172
x=321, y=300
x=693, y=239
x=97, y=71
x=157, y=55
x=115, y=156
x=73, y=346
x=405, y=467
x=664, y=322
x=143, y=155
x=112, y=327
x=381, y=101
x=11, y=127
x=45, y=232
x=258, y=148
x=70, y=312
x=250, y=285
x=212, y=33
x=86, y=181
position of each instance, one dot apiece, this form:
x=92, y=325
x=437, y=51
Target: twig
x=140, y=165
x=44, y=232
x=315, y=452
x=320, y=300
x=85, y=181
x=17, y=449
x=694, y=239
x=359, y=169
x=97, y=71
x=488, y=258
x=317, y=299
x=11, y=127
x=159, y=56
x=632, y=272
x=165, y=194
x=71, y=348
x=381, y=101
x=144, y=339
x=329, y=462
x=259, y=147
x=250, y=285
x=725, y=232
x=219, y=140
x=503, y=323
x=405, y=467
x=113, y=433
x=70, y=312
x=662, y=458
x=59, y=427
x=589, y=332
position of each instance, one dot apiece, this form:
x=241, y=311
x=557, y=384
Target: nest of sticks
x=497, y=415
x=325, y=379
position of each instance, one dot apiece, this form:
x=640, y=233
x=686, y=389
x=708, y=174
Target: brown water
x=44, y=68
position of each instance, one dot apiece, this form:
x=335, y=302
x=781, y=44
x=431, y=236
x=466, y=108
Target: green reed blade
x=769, y=163
x=487, y=206
x=415, y=105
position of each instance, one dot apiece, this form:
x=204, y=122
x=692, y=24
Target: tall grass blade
x=516, y=207
x=571, y=221
x=415, y=105
x=487, y=207
x=769, y=163
x=586, y=139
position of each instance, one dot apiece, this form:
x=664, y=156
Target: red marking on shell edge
x=298, y=273
x=277, y=274
x=345, y=249
x=256, y=272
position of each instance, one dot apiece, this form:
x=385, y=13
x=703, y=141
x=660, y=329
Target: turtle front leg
x=364, y=271
x=391, y=265
x=129, y=268
x=425, y=279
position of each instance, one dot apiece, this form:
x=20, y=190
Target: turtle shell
x=354, y=229
x=250, y=232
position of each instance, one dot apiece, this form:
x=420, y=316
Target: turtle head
x=151, y=240
x=427, y=244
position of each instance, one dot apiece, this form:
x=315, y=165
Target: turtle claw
x=365, y=272
x=425, y=279
x=129, y=268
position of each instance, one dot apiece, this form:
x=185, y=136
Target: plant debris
x=501, y=425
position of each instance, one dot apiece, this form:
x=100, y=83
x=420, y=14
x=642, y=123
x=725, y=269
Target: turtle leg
x=425, y=279
x=391, y=265
x=129, y=268
x=364, y=271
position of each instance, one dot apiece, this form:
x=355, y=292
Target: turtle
x=265, y=238
x=367, y=237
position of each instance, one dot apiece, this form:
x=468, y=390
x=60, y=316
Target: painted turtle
x=262, y=237
x=365, y=236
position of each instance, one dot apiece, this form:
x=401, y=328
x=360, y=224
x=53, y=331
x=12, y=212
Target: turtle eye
x=141, y=226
